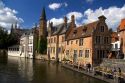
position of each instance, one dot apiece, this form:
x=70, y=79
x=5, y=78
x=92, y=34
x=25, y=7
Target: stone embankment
x=95, y=74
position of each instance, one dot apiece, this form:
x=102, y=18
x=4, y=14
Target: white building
x=27, y=45
x=14, y=51
x=116, y=46
x=26, y=48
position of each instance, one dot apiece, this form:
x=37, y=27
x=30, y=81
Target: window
x=67, y=42
x=59, y=50
x=53, y=49
x=100, y=54
x=75, y=52
x=51, y=40
x=74, y=33
x=63, y=39
x=80, y=42
x=106, y=40
x=54, y=39
x=116, y=46
x=84, y=30
x=102, y=28
x=30, y=48
x=80, y=53
x=86, y=53
x=97, y=40
x=30, y=41
x=67, y=52
x=76, y=41
x=17, y=49
x=71, y=42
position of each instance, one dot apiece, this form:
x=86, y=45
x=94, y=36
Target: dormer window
x=84, y=30
x=74, y=33
x=102, y=28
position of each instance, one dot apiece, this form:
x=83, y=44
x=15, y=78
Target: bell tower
x=43, y=25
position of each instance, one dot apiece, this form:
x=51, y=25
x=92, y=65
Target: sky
x=27, y=12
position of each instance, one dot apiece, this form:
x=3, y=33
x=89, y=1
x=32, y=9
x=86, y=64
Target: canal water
x=20, y=70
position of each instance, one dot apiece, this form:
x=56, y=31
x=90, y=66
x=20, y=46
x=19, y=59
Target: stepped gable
x=82, y=31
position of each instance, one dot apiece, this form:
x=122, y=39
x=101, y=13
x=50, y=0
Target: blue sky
x=27, y=12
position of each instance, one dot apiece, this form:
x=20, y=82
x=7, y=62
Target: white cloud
x=113, y=15
x=77, y=15
x=8, y=16
x=56, y=21
x=55, y=6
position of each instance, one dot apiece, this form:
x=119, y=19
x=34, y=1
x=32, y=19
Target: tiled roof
x=82, y=31
x=122, y=25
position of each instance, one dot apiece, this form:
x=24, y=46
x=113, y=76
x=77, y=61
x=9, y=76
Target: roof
x=122, y=25
x=82, y=31
x=60, y=29
x=28, y=32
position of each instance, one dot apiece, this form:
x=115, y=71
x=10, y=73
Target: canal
x=20, y=70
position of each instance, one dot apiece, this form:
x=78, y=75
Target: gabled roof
x=82, y=31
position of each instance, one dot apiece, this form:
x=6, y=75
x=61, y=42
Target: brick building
x=89, y=43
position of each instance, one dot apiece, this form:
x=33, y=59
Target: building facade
x=89, y=43
x=28, y=44
x=56, y=40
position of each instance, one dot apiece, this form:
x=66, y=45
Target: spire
x=12, y=26
x=43, y=16
x=15, y=25
x=11, y=29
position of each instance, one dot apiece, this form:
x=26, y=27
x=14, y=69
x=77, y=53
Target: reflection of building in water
x=25, y=67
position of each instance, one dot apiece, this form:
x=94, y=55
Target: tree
x=6, y=39
x=3, y=38
x=42, y=46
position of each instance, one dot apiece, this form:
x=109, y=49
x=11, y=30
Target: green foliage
x=6, y=39
x=42, y=46
x=3, y=38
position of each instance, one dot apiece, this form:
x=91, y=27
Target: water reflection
x=20, y=70
x=25, y=68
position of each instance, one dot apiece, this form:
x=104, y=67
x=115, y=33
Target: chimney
x=51, y=24
x=65, y=20
x=102, y=18
x=73, y=21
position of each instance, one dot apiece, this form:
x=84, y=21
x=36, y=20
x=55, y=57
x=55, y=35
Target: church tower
x=43, y=25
